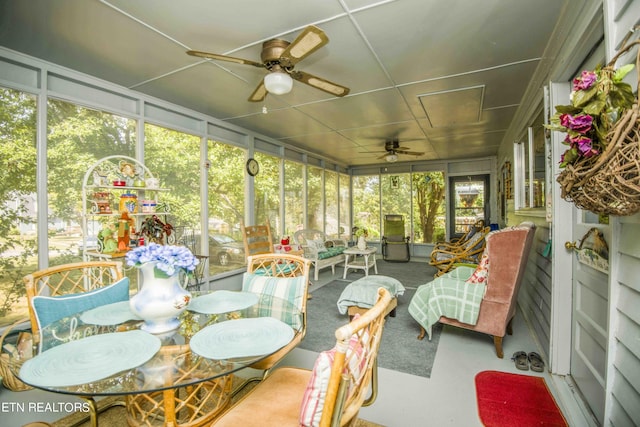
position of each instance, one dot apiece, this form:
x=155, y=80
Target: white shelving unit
x=101, y=200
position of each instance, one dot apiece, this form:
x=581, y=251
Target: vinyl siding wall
x=623, y=399
x=534, y=297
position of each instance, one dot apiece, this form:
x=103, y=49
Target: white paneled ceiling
x=445, y=78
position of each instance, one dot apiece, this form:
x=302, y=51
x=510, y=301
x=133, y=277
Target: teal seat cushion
x=331, y=252
x=52, y=309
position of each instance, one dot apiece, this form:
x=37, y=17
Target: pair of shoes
x=520, y=358
x=536, y=362
x=524, y=360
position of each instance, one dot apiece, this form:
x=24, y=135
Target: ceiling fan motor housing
x=271, y=52
x=391, y=145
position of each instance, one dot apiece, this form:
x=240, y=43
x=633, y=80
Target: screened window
x=428, y=204
x=267, y=192
x=396, y=198
x=18, y=206
x=315, y=198
x=225, y=182
x=332, y=219
x=366, y=204
x=293, y=197
x=77, y=137
x=344, y=231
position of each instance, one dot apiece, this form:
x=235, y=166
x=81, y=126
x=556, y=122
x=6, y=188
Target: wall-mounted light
x=278, y=83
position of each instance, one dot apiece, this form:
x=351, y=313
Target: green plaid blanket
x=446, y=296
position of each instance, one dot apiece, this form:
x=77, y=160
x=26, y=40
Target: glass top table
x=175, y=370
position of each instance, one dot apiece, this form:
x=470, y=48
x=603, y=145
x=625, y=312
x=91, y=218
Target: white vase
x=362, y=244
x=160, y=301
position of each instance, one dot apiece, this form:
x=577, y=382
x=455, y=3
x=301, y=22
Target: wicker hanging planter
x=609, y=183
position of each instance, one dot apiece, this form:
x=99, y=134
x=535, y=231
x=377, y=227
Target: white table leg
x=346, y=266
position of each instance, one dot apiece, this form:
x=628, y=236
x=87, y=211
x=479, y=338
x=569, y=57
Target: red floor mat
x=506, y=400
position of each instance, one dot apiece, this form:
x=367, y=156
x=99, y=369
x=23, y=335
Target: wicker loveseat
x=320, y=250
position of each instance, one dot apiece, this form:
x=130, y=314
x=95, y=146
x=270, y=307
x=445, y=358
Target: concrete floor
x=446, y=399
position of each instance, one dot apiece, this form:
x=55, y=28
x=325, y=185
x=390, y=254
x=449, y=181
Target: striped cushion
x=290, y=289
x=315, y=394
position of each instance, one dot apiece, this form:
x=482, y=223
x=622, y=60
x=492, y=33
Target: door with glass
x=468, y=199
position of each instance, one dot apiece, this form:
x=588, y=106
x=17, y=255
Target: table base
x=190, y=406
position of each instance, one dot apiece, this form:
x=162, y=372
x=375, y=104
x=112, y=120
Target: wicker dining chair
x=278, y=267
x=330, y=395
x=73, y=278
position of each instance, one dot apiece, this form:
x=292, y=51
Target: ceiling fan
x=392, y=149
x=280, y=57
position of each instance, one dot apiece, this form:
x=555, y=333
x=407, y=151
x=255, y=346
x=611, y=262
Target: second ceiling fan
x=392, y=148
x=279, y=57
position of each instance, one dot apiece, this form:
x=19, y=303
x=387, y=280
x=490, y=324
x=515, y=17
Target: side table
x=360, y=259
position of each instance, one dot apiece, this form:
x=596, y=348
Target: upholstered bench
x=360, y=295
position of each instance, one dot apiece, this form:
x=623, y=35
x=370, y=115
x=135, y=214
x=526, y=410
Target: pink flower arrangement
x=598, y=99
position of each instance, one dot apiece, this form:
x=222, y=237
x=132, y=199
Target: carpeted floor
x=401, y=331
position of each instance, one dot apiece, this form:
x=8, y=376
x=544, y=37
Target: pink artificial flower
x=583, y=145
x=585, y=81
x=581, y=123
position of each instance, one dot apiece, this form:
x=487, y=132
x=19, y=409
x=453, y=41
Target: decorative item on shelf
x=162, y=298
x=107, y=242
x=128, y=172
x=361, y=234
x=285, y=240
x=101, y=203
x=129, y=203
x=153, y=183
x=148, y=206
x=100, y=178
x=126, y=227
x=139, y=183
x=600, y=167
x=119, y=183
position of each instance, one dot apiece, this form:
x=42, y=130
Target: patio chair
x=468, y=252
x=284, y=276
x=481, y=299
x=329, y=395
x=75, y=278
x=257, y=239
x=92, y=284
x=457, y=242
x=395, y=245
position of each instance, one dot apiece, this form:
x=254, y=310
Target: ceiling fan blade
x=411, y=153
x=318, y=83
x=310, y=39
x=384, y=155
x=259, y=94
x=224, y=58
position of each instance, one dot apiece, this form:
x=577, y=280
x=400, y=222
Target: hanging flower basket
x=602, y=165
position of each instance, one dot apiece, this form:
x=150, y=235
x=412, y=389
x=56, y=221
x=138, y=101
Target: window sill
x=536, y=212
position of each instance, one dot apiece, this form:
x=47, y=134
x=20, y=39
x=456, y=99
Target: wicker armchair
x=74, y=278
x=71, y=278
x=469, y=252
x=348, y=372
x=283, y=266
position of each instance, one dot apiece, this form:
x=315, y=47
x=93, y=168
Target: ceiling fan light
x=391, y=157
x=278, y=83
